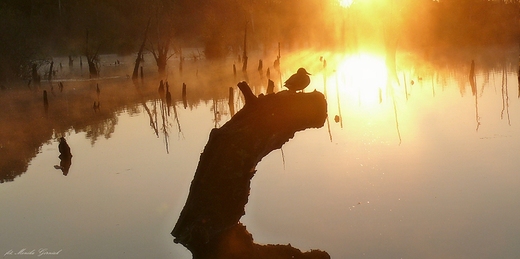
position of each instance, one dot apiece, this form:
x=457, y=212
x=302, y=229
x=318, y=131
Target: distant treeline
x=37, y=29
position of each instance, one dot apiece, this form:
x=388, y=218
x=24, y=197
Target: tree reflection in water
x=76, y=106
x=104, y=128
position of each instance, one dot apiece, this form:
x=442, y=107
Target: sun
x=345, y=3
x=364, y=76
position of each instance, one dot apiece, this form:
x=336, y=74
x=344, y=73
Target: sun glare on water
x=364, y=76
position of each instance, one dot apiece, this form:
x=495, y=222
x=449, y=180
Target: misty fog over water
x=410, y=170
x=415, y=160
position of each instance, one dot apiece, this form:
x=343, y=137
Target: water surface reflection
x=420, y=167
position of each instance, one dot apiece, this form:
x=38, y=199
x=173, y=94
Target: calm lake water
x=427, y=168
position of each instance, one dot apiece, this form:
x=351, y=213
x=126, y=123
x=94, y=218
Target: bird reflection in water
x=65, y=157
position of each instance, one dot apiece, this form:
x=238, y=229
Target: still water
x=423, y=168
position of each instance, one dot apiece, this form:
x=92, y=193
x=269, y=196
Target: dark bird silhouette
x=298, y=81
x=65, y=156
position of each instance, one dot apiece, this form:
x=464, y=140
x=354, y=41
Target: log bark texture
x=209, y=221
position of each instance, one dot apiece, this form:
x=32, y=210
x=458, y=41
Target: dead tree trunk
x=92, y=58
x=161, y=60
x=160, y=54
x=244, y=58
x=140, y=53
x=49, y=76
x=209, y=222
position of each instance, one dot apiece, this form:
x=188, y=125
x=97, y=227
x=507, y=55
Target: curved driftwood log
x=209, y=222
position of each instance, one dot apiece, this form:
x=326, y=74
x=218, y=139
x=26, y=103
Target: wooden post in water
x=276, y=66
x=244, y=58
x=277, y=61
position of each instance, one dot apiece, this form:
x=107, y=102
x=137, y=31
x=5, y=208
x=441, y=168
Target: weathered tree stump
x=209, y=222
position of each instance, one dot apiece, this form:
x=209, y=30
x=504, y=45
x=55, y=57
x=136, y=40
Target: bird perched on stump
x=298, y=81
